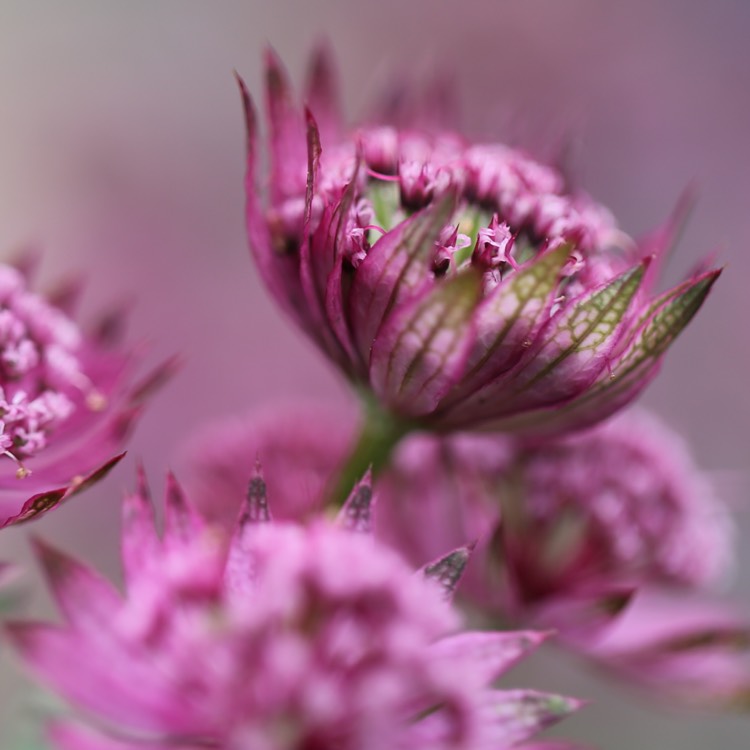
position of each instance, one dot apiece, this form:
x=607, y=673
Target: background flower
x=595, y=536
x=68, y=397
x=573, y=534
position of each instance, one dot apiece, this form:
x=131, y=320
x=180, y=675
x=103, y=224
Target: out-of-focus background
x=122, y=156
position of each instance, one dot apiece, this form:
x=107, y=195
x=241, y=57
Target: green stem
x=380, y=434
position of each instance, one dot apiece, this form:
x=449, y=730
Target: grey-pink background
x=122, y=155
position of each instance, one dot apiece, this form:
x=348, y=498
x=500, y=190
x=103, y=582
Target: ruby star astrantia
x=67, y=399
x=611, y=536
x=464, y=285
x=280, y=638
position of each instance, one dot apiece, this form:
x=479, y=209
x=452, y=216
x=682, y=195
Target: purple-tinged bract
x=67, y=399
x=465, y=285
x=286, y=637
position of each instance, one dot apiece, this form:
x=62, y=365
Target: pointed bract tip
x=277, y=84
x=321, y=86
x=321, y=65
x=699, y=286
x=448, y=570
x=174, y=496
x=271, y=58
x=686, y=202
x=356, y=513
x=181, y=520
x=680, y=213
x=137, y=507
x=141, y=483
x=310, y=118
x=248, y=110
x=256, y=509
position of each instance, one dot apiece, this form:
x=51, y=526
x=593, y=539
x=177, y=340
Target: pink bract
x=464, y=285
x=68, y=399
x=282, y=637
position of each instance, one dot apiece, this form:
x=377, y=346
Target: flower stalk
x=380, y=434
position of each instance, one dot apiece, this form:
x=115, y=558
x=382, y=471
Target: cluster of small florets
x=633, y=487
x=40, y=373
x=505, y=199
x=287, y=637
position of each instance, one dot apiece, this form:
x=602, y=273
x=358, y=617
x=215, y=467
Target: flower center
x=40, y=372
x=509, y=207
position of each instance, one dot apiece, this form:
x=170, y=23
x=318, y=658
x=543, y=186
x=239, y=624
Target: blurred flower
x=67, y=400
x=584, y=534
x=311, y=438
x=286, y=637
x=465, y=286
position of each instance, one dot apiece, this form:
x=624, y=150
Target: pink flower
x=604, y=532
x=67, y=400
x=286, y=637
x=302, y=445
x=591, y=535
x=543, y=320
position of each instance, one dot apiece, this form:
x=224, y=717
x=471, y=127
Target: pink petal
x=87, y=600
x=125, y=690
x=322, y=94
x=515, y=715
x=287, y=135
x=490, y=653
x=140, y=542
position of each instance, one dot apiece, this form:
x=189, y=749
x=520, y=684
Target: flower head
x=623, y=503
x=465, y=285
x=592, y=535
x=287, y=637
x=66, y=400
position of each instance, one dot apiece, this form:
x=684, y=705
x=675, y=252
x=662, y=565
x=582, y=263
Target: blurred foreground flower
x=67, y=400
x=286, y=638
x=591, y=535
x=464, y=286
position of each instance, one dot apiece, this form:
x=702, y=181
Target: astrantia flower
x=290, y=638
x=578, y=534
x=465, y=286
x=303, y=446
x=66, y=401
x=613, y=507
x=611, y=537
